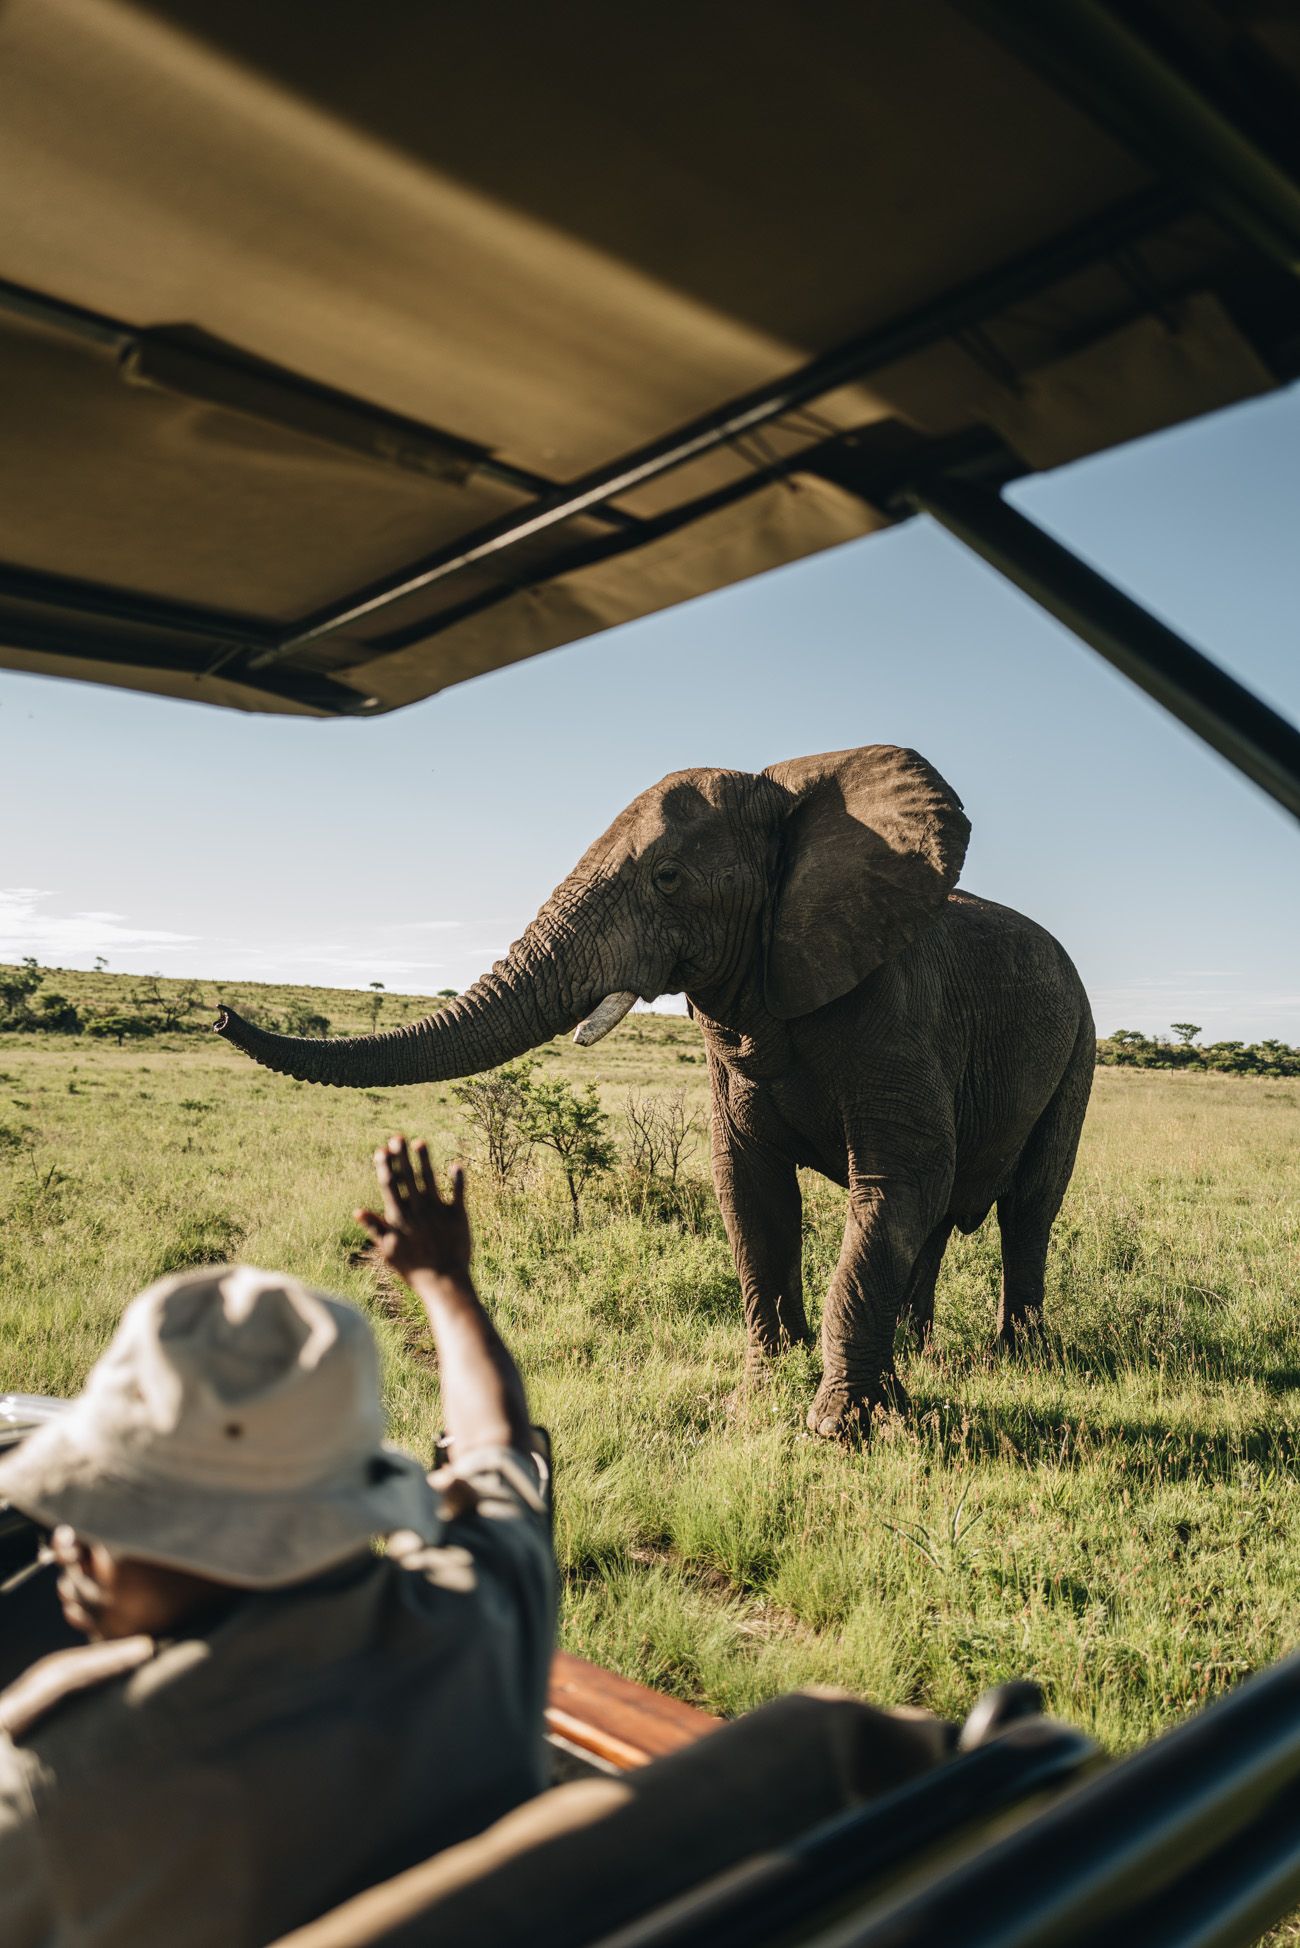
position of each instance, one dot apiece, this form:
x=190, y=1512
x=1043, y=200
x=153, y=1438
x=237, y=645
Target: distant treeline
x=125, y=1008
x=1128, y=1048
x=121, y=1008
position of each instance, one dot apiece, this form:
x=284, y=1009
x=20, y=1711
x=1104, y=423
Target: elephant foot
x=762, y=1349
x=756, y=1376
x=1019, y=1335
x=838, y=1415
x=921, y=1331
x=793, y=1330
x=844, y=1413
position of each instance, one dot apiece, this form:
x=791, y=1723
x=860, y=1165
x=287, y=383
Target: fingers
x=384, y=1172
x=399, y=1160
x=406, y=1174
x=65, y=1546
x=372, y=1222
x=424, y=1176
x=425, y=1173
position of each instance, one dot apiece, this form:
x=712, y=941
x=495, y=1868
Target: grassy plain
x=1115, y=1516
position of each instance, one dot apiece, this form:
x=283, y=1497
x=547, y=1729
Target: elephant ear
x=874, y=841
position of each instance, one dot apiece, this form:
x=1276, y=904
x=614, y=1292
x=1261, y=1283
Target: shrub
x=17, y=985
x=659, y=1130
x=575, y=1126
x=497, y=1105
x=299, y=1019
x=1128, y=1048
x=168, y=1006
x=120, y=1027
x=57, y=1016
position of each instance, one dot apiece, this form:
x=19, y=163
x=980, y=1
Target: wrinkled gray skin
x=929, y=1050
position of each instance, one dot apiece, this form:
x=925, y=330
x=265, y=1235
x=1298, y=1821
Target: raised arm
x=426, y=1240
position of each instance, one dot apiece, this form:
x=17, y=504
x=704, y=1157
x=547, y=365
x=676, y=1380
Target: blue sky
x=411, y=849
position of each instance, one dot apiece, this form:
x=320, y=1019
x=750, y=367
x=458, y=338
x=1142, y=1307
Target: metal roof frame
x=956, y=310
x=1189, y=684
x=1212, y=148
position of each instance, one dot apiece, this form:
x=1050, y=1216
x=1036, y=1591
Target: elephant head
x=791, y=885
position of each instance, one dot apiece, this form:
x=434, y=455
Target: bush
x=660, y=1128
x=575, y=1126
x=512, y=1113
x=120, y=1027
x=168, y=1008
x=497, y=1105
x=57, y=1016
x=1128, y=1048
x=17, y=985
x=301, y=1020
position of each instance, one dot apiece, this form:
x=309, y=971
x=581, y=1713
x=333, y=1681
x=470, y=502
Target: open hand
x=420, y=1230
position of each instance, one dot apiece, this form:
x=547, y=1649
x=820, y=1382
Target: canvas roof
x=348, y=352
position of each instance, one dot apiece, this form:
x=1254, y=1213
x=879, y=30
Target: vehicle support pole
x=1104, y=65
x=1230, y=718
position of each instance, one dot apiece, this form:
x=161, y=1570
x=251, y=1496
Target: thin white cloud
x=27, y=926
x=1224, y=1003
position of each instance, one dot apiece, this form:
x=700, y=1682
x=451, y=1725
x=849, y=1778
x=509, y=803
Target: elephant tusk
x=599, y=1022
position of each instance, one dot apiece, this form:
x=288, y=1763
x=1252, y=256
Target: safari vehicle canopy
x=351, y=352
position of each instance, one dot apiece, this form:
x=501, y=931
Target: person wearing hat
x=269, y=1714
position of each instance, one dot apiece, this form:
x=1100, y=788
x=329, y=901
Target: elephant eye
x=667, y=876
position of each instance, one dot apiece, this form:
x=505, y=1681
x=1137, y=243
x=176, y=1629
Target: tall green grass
x=1115, y=1514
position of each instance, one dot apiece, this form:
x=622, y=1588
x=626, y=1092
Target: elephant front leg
x=763, y=1213
x=886, y=1231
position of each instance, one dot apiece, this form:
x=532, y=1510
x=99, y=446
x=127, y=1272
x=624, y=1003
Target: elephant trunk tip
x=233, y=1027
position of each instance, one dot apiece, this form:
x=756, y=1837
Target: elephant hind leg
x=1027, y=1212
x=1026, y=1226
x=918, y=1300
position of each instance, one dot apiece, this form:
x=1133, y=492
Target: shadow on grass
x=1215, y=1356
x=962, y=1433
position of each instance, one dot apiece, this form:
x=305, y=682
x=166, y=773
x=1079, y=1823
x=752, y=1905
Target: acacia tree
x=18, y=984
x=167, y=1005
x=1186, y=1031
x=119, y=1027
x=577, y=1129
x=498, y=1105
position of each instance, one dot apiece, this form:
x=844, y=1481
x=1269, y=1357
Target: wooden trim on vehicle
x=622, y=1723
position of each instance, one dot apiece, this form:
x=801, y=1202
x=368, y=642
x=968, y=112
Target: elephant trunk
x=549, y=981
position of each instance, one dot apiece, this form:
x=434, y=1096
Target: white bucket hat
x=232, y=1428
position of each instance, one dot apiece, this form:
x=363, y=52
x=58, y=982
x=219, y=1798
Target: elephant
x=928, y=1050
